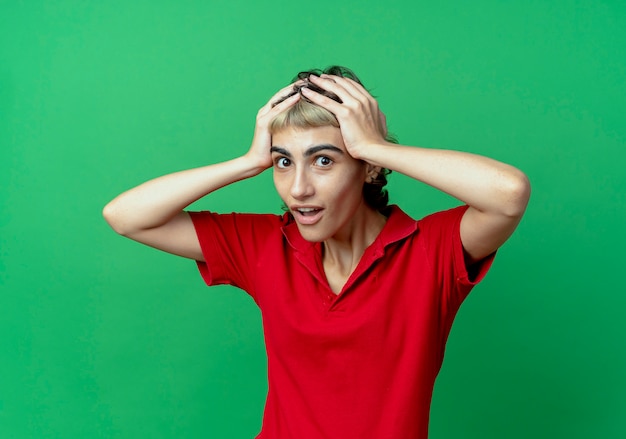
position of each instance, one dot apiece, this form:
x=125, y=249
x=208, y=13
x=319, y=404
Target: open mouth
x=307, y=215
x=307, y=211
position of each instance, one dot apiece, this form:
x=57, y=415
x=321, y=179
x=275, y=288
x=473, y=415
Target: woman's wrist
x=371, y=152
x=251, y=164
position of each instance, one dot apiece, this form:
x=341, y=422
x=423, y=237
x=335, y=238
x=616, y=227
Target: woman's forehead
x=305, y=138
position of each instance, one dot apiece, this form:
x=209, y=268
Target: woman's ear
x=372, y=173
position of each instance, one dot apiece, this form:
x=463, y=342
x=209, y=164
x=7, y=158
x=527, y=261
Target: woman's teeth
x=307, y=210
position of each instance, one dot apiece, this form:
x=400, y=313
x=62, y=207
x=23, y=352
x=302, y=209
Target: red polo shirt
x=361, y=364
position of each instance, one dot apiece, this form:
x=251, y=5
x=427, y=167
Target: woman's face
x=321, y=184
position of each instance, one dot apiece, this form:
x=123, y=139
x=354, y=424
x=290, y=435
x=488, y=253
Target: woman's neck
x=342, y=252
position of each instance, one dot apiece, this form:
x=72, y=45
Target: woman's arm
x=497, y=193
x=152, y=213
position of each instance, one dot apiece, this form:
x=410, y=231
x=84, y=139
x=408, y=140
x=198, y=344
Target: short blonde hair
x=303, y=114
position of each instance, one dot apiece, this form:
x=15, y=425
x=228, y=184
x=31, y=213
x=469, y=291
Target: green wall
x=103, y=338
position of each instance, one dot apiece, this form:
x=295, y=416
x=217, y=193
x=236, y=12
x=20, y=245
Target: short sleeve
x=231, y=244
x=441, y=235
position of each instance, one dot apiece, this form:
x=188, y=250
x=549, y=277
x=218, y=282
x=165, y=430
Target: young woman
x=357, y=298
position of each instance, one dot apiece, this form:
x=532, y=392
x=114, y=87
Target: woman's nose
x=301, y=186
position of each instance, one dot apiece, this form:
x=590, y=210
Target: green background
x=103, y=338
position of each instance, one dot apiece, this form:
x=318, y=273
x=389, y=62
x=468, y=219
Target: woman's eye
x=283, y=162
x=323, y=161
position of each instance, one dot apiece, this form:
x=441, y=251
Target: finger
x=383, y=123
x=325, y=102
x=272, y=110
x=356, y=90
x=279, y=97
x=361, y=101
x=285, y=103
x=334, y=85
x=357, y=86
x=350, y=85
x=360, y=93
x=350, y=93
x=285, y=92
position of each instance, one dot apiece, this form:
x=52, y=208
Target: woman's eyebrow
x=309, y=152
x=317, y=148
x=280, y=150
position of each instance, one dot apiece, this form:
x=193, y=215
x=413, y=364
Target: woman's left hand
x=361, y=121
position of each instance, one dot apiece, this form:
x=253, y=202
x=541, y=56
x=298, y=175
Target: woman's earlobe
x=372, y=173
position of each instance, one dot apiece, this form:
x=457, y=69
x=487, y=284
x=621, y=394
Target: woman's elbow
x=112, y=216
x=517, y=191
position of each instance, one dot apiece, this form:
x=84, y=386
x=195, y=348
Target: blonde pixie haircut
x=305, y=114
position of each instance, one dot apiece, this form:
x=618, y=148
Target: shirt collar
x=399, y=225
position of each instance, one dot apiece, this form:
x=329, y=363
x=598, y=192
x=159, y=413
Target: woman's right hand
x=153, y=212
x=259, y=151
